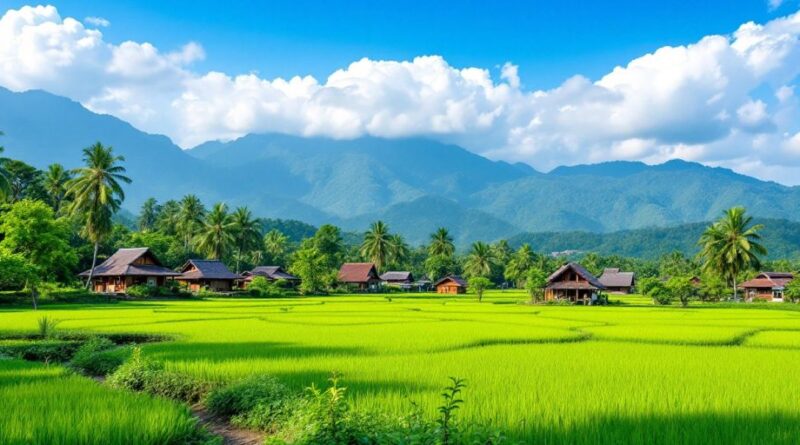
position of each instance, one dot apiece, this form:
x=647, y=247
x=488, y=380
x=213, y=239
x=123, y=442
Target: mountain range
x=414, y=184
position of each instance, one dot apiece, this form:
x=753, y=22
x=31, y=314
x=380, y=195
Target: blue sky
x=549, y=40
x=546, y=83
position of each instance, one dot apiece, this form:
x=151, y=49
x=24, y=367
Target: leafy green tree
x=479, y=285
x=681, y=287
x=217, y=234
x=502, y=251
x=190, y=219
x=535, y=283
x=441, y=243
x=311, y=266
x=328, y=240
x=96, y=195
x=148, y=215
x=246, y=232
x=29, y=228
x=378, y=245
x=656, y=289
x=519, y=264
x=675, y=264
x=480, y=260
x=791, y=293
x=25, y=181
x=731, y=246
x=401, y=252
x=55, y=183
x=17, y=273
x=712, y=288
x=438, y=266
x=276, y=246
x=168, y=249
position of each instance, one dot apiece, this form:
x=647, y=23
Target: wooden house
x=364, y=276
x=574, y=283
x=767, y=286
x=271, y=273
x=129, y=267
x=213, y=275
x=398, y=278
x=451, y=285
x=617, y=282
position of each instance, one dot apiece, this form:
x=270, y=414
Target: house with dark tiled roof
x=572, y=282
x=271, y=273
x=617, y=282
x=451, y=285
x=397, y=278
x=213, y=275
x=364, y=276
x=126, y=268
x=767, y=286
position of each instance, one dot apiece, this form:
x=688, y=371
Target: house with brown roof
x=397, y=278
x=270, y=273
x=617, y=282
x=126, y=268
x=767, y=286
x=451, y=285
x=213, y=275
x=364, y=276
x=574, y=283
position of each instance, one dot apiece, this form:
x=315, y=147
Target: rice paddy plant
x=542, y=374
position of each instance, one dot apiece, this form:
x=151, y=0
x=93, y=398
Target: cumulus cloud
x=704, y=101
x=97, y=21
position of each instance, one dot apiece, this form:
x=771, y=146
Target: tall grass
x=544, y=374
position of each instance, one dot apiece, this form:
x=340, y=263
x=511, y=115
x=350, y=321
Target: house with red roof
x=364, y=276
x=767, y=286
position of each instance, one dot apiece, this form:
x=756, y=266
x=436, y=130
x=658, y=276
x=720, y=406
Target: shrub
x=43, y=351
x=258, y=402
x=96, y=358
x=142, y=374
x=261, y=287
x=142, y=291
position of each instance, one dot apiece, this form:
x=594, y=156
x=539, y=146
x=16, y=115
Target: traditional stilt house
x=572, y=282
x=129, y=267
x=213, y=275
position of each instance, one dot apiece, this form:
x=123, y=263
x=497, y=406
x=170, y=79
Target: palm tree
x=148, y=216
x=169, y=217
x=731, y=245
x=216, y=235
x=5, y=182
x=276, y=245
x=480, y=260
x=246, y=232
x=378, y=245
x=96, y=193
x=190, y=218
x=519, y=264
x=441, y=243
x=400, y=251
x=55, y=184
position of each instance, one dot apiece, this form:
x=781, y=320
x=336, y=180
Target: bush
x=258, y=402
x=43, y=351
x=261, y=287
x=142, y=374
x=47, y=326
x=142, y=291
x=95, y=357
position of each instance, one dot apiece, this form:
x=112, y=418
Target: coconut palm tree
x=441, y=243
x=96, y=194
x=276, y=246
x=190, y=218
x=55, y=184
x=216, y=234
x=732, y=245
x=519, y=264
x=169, y=217
x=148, y=215
x=480, y=260
x=246, y=232
x=400, y=251
x=378, y=245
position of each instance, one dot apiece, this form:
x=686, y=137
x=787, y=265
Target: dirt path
x=229, y=433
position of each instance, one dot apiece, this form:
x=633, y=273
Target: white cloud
x=774, y=4
x=97, y=21
x=696, y=101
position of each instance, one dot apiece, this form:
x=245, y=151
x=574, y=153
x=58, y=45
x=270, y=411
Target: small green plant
x=447, y=410
x=479, y=286
x=47, y=327
x=95, y=357
x=142, y=374
x=256, y=402
x=261, y=287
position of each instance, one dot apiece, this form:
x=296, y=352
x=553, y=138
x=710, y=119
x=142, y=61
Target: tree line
x=57, y=222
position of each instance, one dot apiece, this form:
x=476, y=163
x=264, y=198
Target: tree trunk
x=735, y=293
x=34, y=294
x=94, y=264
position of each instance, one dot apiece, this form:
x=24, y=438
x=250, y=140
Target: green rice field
x=543, y=374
